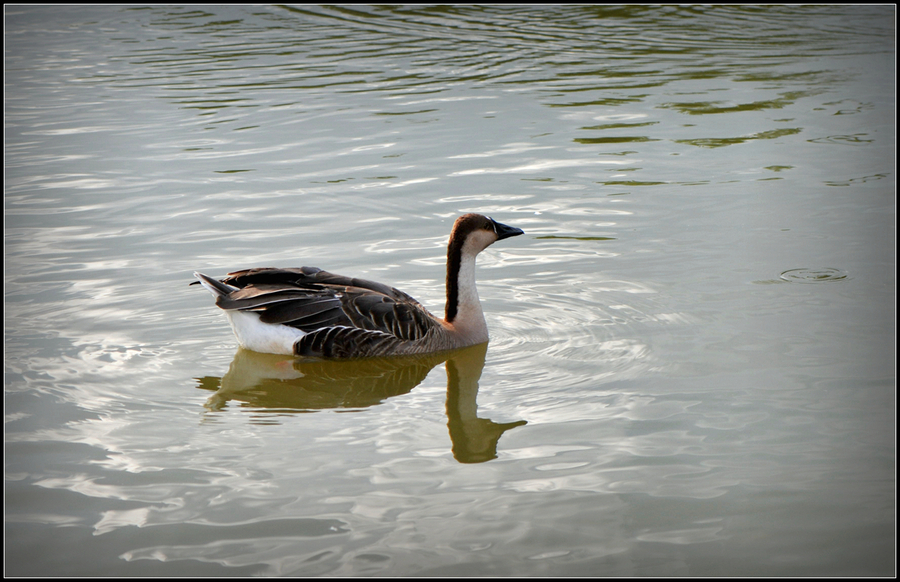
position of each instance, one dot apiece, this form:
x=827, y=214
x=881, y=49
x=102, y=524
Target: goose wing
x=311, y=299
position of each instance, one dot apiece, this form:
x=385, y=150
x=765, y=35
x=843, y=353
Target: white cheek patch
x=478, y=241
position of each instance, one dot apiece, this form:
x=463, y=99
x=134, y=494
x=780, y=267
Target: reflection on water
x=266, y=382
x=269, y=384
x=474, y=439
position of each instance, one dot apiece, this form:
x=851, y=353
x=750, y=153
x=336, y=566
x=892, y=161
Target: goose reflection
x=272, y=383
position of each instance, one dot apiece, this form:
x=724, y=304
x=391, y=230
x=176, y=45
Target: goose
x=313, y=313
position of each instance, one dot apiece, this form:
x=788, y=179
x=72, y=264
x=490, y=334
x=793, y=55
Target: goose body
x=310, y=312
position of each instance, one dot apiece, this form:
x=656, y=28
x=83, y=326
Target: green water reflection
x=269, y=385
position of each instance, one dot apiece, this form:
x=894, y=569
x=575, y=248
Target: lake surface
x=692, y=364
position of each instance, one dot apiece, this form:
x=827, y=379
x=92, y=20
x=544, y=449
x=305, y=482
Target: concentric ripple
x=821, y=275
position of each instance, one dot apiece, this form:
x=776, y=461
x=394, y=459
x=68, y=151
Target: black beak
x=504, y=231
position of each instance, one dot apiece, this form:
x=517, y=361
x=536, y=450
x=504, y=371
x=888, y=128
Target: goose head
x=472, y=233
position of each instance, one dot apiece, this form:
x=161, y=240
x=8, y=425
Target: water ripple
x=821, y=275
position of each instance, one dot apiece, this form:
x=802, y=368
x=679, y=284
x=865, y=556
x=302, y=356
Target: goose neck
x=463, y=309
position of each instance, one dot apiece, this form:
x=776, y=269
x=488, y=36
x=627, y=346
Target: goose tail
x=217, y=288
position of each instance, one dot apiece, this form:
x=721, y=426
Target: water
x=692, y=367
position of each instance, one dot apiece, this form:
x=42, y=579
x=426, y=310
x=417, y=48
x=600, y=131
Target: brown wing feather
x=346, y=342
x=311, y=299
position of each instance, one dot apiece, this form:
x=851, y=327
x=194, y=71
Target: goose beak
x=503, y=231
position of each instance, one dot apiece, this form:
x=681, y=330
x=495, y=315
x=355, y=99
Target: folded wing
x=340, y=314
